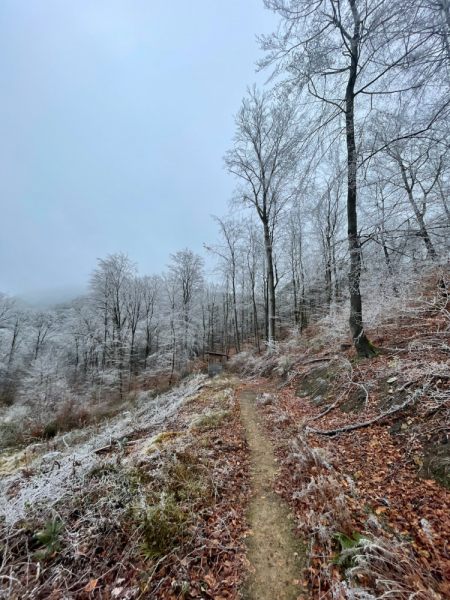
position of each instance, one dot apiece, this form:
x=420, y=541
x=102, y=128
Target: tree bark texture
x=364, y=348
x=270, y=285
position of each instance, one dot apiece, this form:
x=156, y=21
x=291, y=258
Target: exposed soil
x=276, y=555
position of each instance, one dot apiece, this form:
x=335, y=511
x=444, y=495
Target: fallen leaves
x=91, y=585
x=381, y=470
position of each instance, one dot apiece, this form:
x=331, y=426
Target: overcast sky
x=115, y=115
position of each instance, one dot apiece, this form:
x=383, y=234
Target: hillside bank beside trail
x=150, y=506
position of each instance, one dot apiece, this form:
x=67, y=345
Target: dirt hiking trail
x=276, y=556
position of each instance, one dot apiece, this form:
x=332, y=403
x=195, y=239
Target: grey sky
x=114, y=117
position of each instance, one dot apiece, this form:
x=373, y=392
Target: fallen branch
x=330, y=408
x=366, y=423
x=314, y=360
x=407, y=384
x=107, y=448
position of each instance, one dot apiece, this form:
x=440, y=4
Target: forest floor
x=328, y=478
x=233, y=498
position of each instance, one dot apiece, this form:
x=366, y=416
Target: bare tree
x=150, y=286
x=265, y=159
x=342, y=51
x=186, y=269
x=252, y=260
x=229, y=251
x=109, y=285
x=6, y=307
x=327, y=215
x=134, y=307
x=43, y=324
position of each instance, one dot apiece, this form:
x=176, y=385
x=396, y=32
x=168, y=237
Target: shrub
x=324, y=492
x=103, y=470
x=390, y=568
x=8, y=396
x=348, y=547
x=166, y=524
x=50, y=430
x=159, y=391
x=239, y=363
x=186, y=375
x=186, y=481
x=36, y=431
x=266, y=400
x=71, y=417
x=309, y=460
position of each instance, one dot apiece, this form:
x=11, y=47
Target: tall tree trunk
x=266, y=307
x=132, y=370
x=364, y=348
x=336, y=280
x=444, y=204
x=445, y=7
x=303, y=314
x=212, y=327
x=328, y=266
x=236, y=324
x=294, y=288
x=148, y=344
x=255, y=313
x=173, y=352
x=243, y=332
x=387, y=257
x=270, y=285
x=225, y=323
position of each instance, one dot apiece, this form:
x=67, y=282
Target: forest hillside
x=317, y=464
x=300, y=473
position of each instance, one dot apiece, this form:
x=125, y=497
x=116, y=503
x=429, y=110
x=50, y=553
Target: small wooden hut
x=215, y=363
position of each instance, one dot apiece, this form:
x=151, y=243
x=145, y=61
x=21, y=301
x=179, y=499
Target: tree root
x=329, y=409
x=366, y=423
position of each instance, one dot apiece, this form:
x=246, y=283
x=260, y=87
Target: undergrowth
x=50, y=538
x=211, y=420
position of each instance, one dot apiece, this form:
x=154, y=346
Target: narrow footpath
x=276, y=555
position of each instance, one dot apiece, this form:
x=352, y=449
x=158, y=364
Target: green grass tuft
x=50, y=538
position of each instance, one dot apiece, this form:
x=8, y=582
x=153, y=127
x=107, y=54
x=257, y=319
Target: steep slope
x=150, y=505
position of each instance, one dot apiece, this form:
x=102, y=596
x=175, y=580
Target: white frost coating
x=67, y=470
